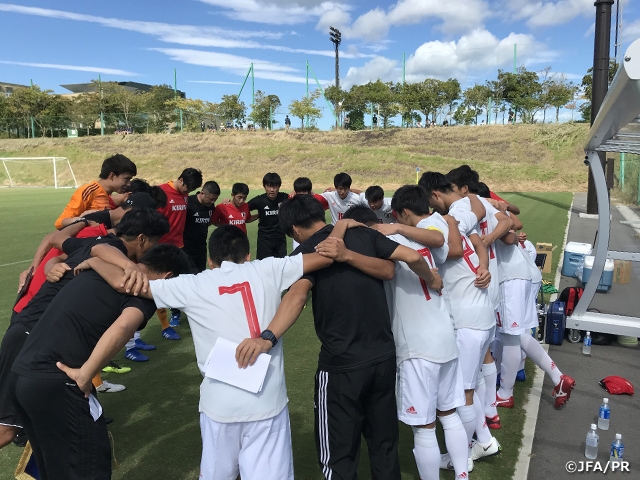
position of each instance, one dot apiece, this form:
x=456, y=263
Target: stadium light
x=336, y=39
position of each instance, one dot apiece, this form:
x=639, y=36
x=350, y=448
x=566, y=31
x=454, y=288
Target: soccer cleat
x=175, y=320
x=504, y=403
x=562, y=391
x=20, y=439
x=521, y=376
x=142, y=345
x=134, y=355
x=108, y=387
x=170, y=334
x=480, y=450
x=113, y=367
x=493, y=422
x=445, y=463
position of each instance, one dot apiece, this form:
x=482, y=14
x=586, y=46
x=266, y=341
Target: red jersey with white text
x=229, y=214
x=176, y=212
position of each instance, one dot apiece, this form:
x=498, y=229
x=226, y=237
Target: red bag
x=570, y=296
x=617, y=385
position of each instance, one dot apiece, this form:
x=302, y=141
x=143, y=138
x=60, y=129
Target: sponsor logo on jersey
x=270, y=213
x=411, y=411
x=514, y=325
x=236, y=222
x=171, y=201
x=177, y=208
x=196, y=214
x=266, y=207
x=230, y=216
x=202, y=220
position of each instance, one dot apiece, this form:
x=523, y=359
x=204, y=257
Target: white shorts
x=258, y=450
x=424, y=386
x=532, y=311
x=515, y=303
x=472, y=347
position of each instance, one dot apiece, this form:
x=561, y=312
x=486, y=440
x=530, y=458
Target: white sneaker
x=445, y=463
x=481, y=450
x=108, y=387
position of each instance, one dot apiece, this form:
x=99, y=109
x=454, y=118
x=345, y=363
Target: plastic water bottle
x=586, y=344
x=617, y=449
x=604, y=414
x=591, y=450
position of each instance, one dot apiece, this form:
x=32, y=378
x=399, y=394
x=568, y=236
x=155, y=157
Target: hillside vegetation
x=509, y=158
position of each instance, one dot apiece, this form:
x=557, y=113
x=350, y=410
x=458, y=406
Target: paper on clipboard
x=221, y=365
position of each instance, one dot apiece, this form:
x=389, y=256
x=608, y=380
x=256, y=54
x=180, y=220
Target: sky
x=212, y=43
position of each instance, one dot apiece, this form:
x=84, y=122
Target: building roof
x=133, y=86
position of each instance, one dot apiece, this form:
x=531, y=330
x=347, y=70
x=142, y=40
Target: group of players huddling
x=418, y=301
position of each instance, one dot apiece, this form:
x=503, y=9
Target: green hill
x=509, y=158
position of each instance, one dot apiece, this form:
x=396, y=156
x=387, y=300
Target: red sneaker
x=493, y=422
x=501, y=402
x=562, y=391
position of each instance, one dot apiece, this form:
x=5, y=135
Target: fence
x=628, y=179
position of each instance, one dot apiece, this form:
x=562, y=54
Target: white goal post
x=53, y=172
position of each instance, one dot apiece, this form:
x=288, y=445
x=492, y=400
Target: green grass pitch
x=156, y=430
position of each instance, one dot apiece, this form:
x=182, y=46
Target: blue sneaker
x=170, y=334
x=134, y=355
x=521, y=376
x=142, y=345
x=498, y=380
x=175, y=320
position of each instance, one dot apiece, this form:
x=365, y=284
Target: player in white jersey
x=381, y=206
x=536, y=284
x=493, y=226
x=471, y=307
x=342, y=198
x=243, y=433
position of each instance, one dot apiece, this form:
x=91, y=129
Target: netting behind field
x=628, y=180
x=54, y=172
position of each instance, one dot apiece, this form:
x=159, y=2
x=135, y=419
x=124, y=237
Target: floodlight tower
x=336, y=38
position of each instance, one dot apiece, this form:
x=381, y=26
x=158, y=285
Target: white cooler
x=574, y=254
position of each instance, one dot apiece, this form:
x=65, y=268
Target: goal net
x=55, y=172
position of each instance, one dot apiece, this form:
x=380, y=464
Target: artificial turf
x=155, y=428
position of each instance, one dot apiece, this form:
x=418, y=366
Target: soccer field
x=155, y=426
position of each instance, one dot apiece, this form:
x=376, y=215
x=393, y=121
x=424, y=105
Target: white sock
x=497, y=353
x=481, y=389
x=455, y=439
x=510, y=362
x=482, y=431
x=131, y=344
x=426, y=453
x=467, y=415
x=541, y=358
x=490, y=373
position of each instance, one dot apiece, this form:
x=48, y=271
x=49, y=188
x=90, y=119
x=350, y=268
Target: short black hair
x=302, y=185
x=374, y=193
x=271, y=178
x=435, y=181
x=142, y=221
x=242, y=188
x=228, y=243
x=342, y=180
x=159, y=196
x=302, y=211
x=483, y=190
x=211, y=187
x=192, y=178
x=117, y=164
x=412, y=197
x=138, y=185
x=362, y=214
x=464, y=176
x=166, y=258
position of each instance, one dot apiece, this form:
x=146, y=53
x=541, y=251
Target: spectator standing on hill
x=287, y=122
x=115, y=175
x=199, y=212
x=272, y=241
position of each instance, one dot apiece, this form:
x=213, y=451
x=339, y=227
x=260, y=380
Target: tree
x=263, y=109
x=587, y=89
x=559, y=93
x=231, y=108
x=121, y=104
x=306, y=108
x=522, y=90
x=27, y=104
x=194, y=111
x=85, y=110
x=336, y=96
x=383, y=99
x=573, y=105
x=477, y=98
x=160, y=115
x=449, y=94
x=465, y=114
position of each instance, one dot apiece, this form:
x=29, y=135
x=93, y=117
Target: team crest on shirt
x=244, y=215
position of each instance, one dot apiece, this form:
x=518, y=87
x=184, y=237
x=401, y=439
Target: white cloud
x=372, y=26
x=548, y=13
x=105, y=71
x=478, y=51
x=195, y=36
x=276, y=13
x=235, y=64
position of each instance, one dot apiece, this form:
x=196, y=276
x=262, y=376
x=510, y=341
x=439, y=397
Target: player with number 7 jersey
x=243, y=433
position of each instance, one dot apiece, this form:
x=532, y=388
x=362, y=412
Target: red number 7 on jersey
x=249, y=306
